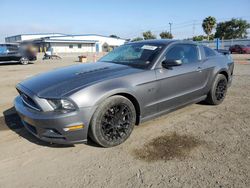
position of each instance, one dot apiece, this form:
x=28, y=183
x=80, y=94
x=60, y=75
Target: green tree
x=148, y=35
x=199, y=38
x=222, y=30
x=208, y=25
x=137, y=39
x=211, y=37
x=166, y=35
x=114, y=36
x=235, y=28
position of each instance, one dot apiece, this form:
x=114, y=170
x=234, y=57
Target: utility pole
x=170, y=27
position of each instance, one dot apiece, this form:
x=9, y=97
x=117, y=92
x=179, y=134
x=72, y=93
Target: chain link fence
x=225, y=44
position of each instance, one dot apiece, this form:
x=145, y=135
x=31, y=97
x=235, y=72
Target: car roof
x=163, y=41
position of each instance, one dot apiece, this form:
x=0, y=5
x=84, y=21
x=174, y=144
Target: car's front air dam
x=55, y=127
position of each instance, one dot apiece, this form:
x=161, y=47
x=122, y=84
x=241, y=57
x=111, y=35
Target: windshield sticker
x=148, y=47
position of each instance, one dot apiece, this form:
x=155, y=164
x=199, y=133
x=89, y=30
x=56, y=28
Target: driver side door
x=180, y=84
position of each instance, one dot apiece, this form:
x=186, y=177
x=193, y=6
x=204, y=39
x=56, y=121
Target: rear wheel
x=113, y=121
x=218, y=91
x=24, y=61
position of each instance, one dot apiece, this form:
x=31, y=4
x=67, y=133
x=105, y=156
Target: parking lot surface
x=196, y=146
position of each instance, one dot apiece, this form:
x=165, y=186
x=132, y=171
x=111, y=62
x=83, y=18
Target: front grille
x=28, y=101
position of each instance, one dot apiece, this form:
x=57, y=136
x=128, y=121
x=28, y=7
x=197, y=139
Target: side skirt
x=147, y=118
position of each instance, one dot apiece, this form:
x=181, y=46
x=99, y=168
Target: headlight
x=61, y=104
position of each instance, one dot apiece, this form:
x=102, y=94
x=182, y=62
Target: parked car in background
x=15, y=53
x=133, y=83
x=240, y=49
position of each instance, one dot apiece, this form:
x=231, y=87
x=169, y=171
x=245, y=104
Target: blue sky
x=125, y=18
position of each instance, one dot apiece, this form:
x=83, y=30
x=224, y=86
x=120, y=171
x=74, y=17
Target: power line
x=177, y=26
x=193, y=28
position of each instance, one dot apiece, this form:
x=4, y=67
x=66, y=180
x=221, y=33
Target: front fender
x=95, y=94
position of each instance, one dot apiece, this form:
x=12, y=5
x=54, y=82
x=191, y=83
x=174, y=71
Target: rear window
x=209, y=52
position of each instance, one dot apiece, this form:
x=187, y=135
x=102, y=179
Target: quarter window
x=70, y=46
x=79, y=46
x=209, y=52
x=187, y=53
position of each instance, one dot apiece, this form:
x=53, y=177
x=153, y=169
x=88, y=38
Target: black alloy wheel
x=116, y=122
x=221, y=90
x=113, y=121
x=218, y=91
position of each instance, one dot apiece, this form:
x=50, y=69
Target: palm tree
x=208, y=25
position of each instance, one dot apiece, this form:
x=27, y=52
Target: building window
x=79, y=46
x=71, y=46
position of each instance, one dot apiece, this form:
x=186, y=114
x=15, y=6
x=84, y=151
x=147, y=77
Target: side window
x=3, y=49
x=13, y=48
x=187, y=53
x=209, y=52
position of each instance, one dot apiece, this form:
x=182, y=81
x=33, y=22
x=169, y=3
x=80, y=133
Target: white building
x=62, y=43
x=27, y=37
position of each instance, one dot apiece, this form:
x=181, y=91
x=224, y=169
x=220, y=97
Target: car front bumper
x=52, y=126
x=32, y=58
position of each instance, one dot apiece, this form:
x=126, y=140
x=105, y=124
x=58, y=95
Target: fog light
x=74, y=127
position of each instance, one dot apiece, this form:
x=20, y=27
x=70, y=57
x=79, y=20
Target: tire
x=24, y=61
x=218, y=91
x=113, y=121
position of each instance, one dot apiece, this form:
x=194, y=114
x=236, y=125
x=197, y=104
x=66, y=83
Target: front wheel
x=218, y=91
x=24, y=61
x=113, y=121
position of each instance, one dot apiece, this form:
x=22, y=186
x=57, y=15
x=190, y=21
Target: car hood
x=62, y=81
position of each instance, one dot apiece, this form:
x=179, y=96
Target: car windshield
x=134, y=54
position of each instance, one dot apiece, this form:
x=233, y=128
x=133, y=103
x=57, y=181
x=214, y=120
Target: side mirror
x=167, y=63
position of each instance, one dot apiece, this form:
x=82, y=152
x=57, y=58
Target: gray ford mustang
x=133, y=83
